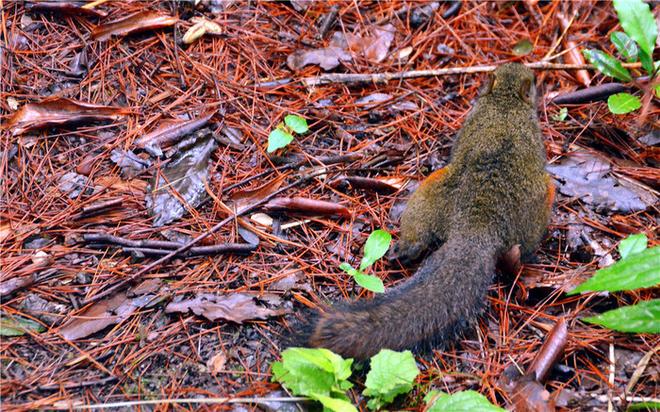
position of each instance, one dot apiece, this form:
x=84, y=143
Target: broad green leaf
x=334, y=404
x=647, y=62
x=632, y=244
x=641, y=318
x=523, y=47
x=607, y=64
x=641, y=270
x=392, y=373
x=309, y=372
x=622, y=103
x=644, y=406
x=346, y=267
x=369, y=282
x=638, y=22
x=465, y=401
x=278, y=139
x=625, y=45
x=375, y=248
x=561, y=116
x=296, y=123
x=17, y=326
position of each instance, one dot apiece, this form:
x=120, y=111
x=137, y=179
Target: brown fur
x=492, y=196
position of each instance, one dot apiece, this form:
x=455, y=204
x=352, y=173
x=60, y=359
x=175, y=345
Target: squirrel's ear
x=527, y=91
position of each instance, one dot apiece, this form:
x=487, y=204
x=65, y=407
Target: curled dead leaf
x=60, y=112
x=200, y=28
x=235, y=307
x=137, y=22
x=170, y=131
x=307, y=206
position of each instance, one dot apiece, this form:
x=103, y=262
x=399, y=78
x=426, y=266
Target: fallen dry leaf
x=169, y=132
x=246, y=198
x=64, y=7
x=59, y=112
x=307, y=206
x=137, y=22
x=373, y=48
x=235, y=307
x=217, y=363
x=588, y=177
x=103, y=314
x=328, y=57
x=200, y=28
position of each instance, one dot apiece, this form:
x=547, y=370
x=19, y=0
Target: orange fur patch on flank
x=435, y=176
x=550, y=196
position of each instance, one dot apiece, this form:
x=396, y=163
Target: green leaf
x=465, y=401
x=640, y=270
x=632, y=244
x=641, y=318
x=625, y=45
x=334, y=404
x=346, y=267
x=392, y=373
x=375, y=248
x=278, y=139
x=296, y=123
x=622, y=103
x=17, y=326
x=561, y=116
x=369, y=282
x=638, y=22
x=313, y=372
x=647, y=62
x=607, y=64
x=644, y=406
x=523, y=47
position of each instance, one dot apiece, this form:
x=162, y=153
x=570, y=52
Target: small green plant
x=377, y=245
x=392, y=374
x=282, y=135
x=636, y=44
x=317, y=373
x=639, y=267
x=18, y=326
x=561, y=116
x=465, y=401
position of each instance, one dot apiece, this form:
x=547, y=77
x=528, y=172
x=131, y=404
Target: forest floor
x=78, y=198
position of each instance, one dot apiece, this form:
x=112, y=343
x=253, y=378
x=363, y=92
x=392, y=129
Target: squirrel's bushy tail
x=446, y=293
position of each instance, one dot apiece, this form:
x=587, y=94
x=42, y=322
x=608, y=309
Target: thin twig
x=183, y=400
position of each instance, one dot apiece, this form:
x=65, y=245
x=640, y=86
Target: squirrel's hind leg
x=423, y=225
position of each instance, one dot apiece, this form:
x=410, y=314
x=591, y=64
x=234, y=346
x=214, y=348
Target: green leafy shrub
x=636, y=44
x=392, y=374
x=639, y=267
x=282, y=135
x=465, y=401
x=377, y=245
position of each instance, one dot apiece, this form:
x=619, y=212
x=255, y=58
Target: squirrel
x=493, y=195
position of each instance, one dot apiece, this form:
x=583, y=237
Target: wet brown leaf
x=64, y=7
x=138, y=22
x=236, y=307
x=200, y=28
x=588, y=177
x=530, y=396
x=169, y=132
x=307, y=206
x=60, y=112
x=103, y=314
x=379, y=185
x=184, y=178
x=246, y=198
x=373, y=48
x=550, y=352
x=328, y=58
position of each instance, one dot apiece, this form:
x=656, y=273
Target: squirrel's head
x=512, y=80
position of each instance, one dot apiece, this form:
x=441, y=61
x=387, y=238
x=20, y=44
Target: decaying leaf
x=137, y=22
x=373, y=48
x=588, y=177
x=72, y=184
x=383, y=185
x=235, y=307
x=246, y=198
x=307, y=206
x=328, y=57
x=169, y=132
x=64, y=7
x=131, y=165
x=200, y=28
x=60, y=112
x=18, y=326
x=103, y=314
x=183, y=178
x=217, y=363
